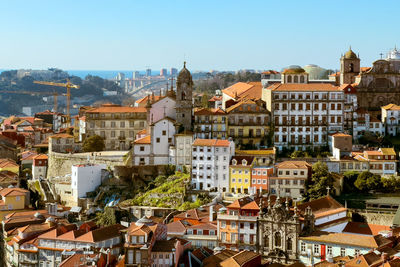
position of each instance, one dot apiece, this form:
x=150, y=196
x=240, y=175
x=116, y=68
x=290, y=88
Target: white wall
x=85, y=178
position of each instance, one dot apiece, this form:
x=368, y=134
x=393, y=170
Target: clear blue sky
x=221, y=35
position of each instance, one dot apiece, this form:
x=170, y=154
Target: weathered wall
x=378, y=218
x=60, y=163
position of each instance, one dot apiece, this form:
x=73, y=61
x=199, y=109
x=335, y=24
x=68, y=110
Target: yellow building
x=14, y=198
x=240, y=174
x=210, y=123
x=9, y=165
x=248, y=123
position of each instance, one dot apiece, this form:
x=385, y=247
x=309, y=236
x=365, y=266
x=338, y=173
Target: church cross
x=328, y=189
x=164, y=110
x=381, y=54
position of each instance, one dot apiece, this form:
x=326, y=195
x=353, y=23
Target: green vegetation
x=321, y=179
x=222, y=80
x=93, y=143
x=166, y=192
x=317, y=152
x=107, y=217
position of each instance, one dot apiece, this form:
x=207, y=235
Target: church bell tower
x=184, y=100
x=349, y=67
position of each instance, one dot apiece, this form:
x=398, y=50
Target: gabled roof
x=178, y=227
x=237, y=89
x=209, y=111
x=61, y=135
x=246, y=102
x=365, y=260
x=204, y=226
x=4, y=163
x=101, y=234
x=241, y=203
x=322, y=207
x=111, y=108
x=364, y=228
x=239, y=161
x=41, y=156
x=14, y=191
x=144, y=140
x=352, y=240
x=243, y=257
x=295, y=164
x=391, y=107
x=144, y=99
x=211, y=142
x=303, y=87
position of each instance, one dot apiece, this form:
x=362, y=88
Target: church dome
x=184, y=76
x=350, y=54
x=293, y=69
x=394, y=54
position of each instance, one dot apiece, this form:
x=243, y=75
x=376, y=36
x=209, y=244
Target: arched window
x=266, y=241
x=351, y=67
x=289, y=244
x=278, y=239
x=302, y=79
x=183, y=95
x=289, y=79
x=296, y=79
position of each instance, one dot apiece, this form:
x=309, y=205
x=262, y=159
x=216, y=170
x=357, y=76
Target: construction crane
x=55, y=95
x=68, y=85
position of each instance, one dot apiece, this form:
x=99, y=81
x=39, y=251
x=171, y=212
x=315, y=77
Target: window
x=342, y=252
x=302, y=247
x=329, y=250
x=122, y=124
x=233, y=225
x=223, y=224
x=253, y=181
x=164, y=132
x=113, y=124
x=158, y=139
x=357, y=252
x=142, y=148
x=277, y=239
x=316, y=249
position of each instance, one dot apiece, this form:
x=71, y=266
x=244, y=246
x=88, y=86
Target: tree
x=349, y=178
x=107, y=217
x=93, y=143
x=321, y=179
x=368, y=181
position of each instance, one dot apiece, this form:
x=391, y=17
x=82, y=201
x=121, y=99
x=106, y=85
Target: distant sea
x=105, y=74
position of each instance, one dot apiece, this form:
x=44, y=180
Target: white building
x=303, y=113
x=153, y=148
x=391, y=119
x=180, y=155
x=365, y=122
x=162, y=108
x=210, y=164
x=85, y=178
x=39, y=166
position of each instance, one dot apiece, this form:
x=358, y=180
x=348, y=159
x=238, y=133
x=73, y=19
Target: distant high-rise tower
x=163, y=72
x=148, y=72
x=135, y=75
x=173, y=72
x=184, y=104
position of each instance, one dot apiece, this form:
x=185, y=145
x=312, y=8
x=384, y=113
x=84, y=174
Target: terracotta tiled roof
x=41, y=156
x=101, y=234
x=209, y=111
x=144, y=99
x=270, y=72
x=244, y=257
x=204, y=226
x=365, y=260
x=239, y=161
x=8, y=163
x=245, y=102
x=352, y=240
x=303, y=87
x=342, y=134
x=364, y=228
x=178, y=227
x=141, y=132
x=13, y=192
x=335, y=74
x=391, y=107
x=240, y=203
x=143, y=140
x=251, y=90
x=61, y=135
x=215, y=98
x=117, y=109
x=215, y=260
x=294, y=165
x=211, y=142
x=388, y=151
x=201, y=214
x=322, y=206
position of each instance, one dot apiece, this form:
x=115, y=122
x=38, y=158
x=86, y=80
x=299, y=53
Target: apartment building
x=117, y=125
x=140, y=238
x=290, y=178
x=180, y=154
x=248, y=122
x=391, y=118
x=51, y=244
x=237, y=224
x=364, y=121
x=210, y=164
x=259, y=178
x=63, y=143
x=210, y=123
x=153, y=147
x=303, y=113
x=39, y=166
x=240, y=174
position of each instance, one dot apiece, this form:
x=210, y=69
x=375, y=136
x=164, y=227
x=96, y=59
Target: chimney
x=108, y=257
x=211, y=213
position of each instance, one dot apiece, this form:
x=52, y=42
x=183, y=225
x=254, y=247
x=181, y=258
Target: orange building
x=259, y=178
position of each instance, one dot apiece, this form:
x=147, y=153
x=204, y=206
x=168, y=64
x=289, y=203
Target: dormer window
x=234, y=162
x=244, y=162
